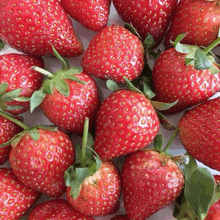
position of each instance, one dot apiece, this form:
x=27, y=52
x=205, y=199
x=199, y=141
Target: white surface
x=37, y=116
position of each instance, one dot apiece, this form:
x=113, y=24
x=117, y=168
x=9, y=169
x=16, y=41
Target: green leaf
x=48, y=87
x=13, y=107
x=164, y=121
x=74, y=78
x=22, y=99
x=46, y=127
x=112, y=85
x=201, y=60
x=98, y=162
x=158, y=142
x=9, y=96
x=131, y=86
x=190, y=167
x=132, y=29
x=216, y=196
x=149, y=41
x=69, y=175
x=148, y=91
x=199, y=191
x=78, y=153
x=36, y=99
x=9, y=141
x=3, y=88
x=62, y=87
x=163, y=106
x=214, y=69
x=34, y=134
x=73, y=70
x=2, y=44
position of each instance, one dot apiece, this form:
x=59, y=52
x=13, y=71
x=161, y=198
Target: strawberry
x=93, y=186
x=8, y=130
x=15, y=198
x=199, y=131
x=31, y=26
x=147, y=16
x=179, y=75
x=119, y=217
x=150, y=182
x=199, y=19
x=114, y=53
x=126, y=122
x=67, y=98
x=92, y=14
x=56, y=209
x=18, y=79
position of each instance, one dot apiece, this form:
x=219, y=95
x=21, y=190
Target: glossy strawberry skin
x=15, y=69
x=41, y=164
x=126, y=122
x=69, y=112
x=31, y=26
x=100, y=193
x=148, y=184
x=199, y=19
x=15, y=198
x=147, y=16
x=199, y=131
x=119, y=217
x=56, y=209
x=174, y=80
x=8, y=130
x=114, y=53
x=92, y=14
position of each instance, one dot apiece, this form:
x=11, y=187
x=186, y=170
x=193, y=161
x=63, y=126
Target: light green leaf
x=190, y=167
x=163, y=106
x=201, y=60
x=22, y=99
x=112, y=85
x=149, y=41
x=214, y=69
x=148, y=91
x=2, y=44
x=62, y=87
x=74, y=78
x=3, y=88
x=9, y=96
x=36, y=99
x=158, y=142
x=48, y=87
x=131, y=86
x=13, y=107
x=34, y=134
x=69, y=175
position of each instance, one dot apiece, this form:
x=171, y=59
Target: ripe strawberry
x=56, y=209
x=18, y=79
x=114, y=53
x=199, y=131
x=8, y=130
x=92, y=14
x=15, y=198
x=119, y=217
x=189, y=83
x=126, y=122
x=31, y=26
x=67, y=97
x=147, y=16
x=199, y=19
x=150, y=182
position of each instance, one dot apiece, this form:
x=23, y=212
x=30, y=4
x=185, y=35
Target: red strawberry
x=126, y=122
x=199, y=19
x=15, y=198
x=150, y=182
x=16, y=75
x=114, y=53
x=173, y=79
x=56, y=209
x=119, y=217
x=147, y=16
x=92, y=14
x=8, y=130
x=31, y=26
x=199, y=131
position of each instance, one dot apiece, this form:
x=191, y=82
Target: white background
x=37, y=117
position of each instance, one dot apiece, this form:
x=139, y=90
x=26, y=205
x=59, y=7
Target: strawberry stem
x=84, y=141
x=211, y=46
x=43, y=71
x=16, y=121
x=173, y=136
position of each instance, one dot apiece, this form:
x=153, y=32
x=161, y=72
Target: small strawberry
x=67, y=97
x=18, y=79
x=15, y=198
x=92, y=14
x=185, y=73
x=147, y=16
x=8, y=130
x=114, y=53
x=199, y=131
x=31, y=26
x=151, y=180
x=39, y=157
x=93, y=186
x=199, y=19
x=119, y=217
x=56, y=209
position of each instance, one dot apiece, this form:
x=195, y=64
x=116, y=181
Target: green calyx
x=2, y=44
x=87, y=163
x=200, y=58
x=55, y=80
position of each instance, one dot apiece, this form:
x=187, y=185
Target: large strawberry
x=17, y=79
x=8, y=130
x=114, y=53
x=147, y=16
x=56, y=209
x=199, y=131
x=15, y=198
x=39, y=157
x=185, y=73
x=31, y=26
x=200, y=19
x=92, y=14
x=93, y=186
x=67, y=97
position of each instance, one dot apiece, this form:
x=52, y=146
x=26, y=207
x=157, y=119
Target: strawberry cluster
x=152, y=58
